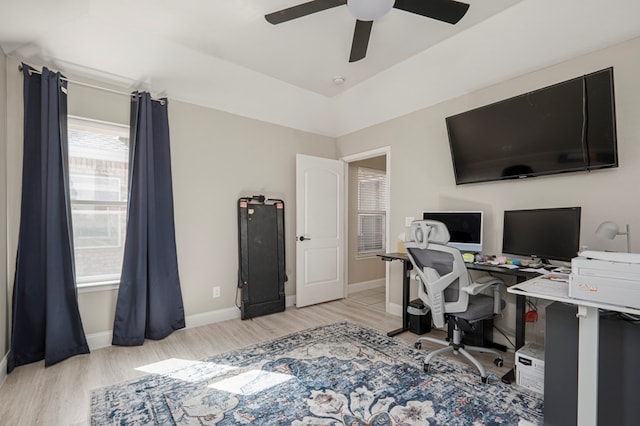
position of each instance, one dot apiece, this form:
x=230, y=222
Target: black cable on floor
x=505, y=336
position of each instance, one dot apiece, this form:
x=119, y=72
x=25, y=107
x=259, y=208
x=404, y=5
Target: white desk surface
x=544, y=288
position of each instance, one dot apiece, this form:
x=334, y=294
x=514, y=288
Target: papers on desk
x=507, y=265
x=561, y=272
x=538, y=270
x=511, y=266
x=557, y=276
x=544, y=285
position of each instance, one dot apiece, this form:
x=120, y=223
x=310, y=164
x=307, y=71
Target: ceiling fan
x=366, y=11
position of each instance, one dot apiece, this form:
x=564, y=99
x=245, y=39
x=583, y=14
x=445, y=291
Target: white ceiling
x=223, y=54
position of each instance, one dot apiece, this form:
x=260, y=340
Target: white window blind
x=372, y=199
x=98, y=181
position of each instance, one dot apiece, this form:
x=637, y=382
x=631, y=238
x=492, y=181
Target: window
x=372, y=207
x=98, y=182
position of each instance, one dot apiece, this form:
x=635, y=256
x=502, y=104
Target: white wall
x=217, y=157
x=422, y=173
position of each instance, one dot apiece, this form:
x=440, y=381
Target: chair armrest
x=481, y=284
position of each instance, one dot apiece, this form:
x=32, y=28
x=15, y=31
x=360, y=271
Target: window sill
x=98, y=286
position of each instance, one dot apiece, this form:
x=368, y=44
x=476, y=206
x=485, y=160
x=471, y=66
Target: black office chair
x=445, y=287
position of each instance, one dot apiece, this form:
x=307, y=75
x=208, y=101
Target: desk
x=588, y=338
x=521, y=301
x=519, y=274
x=406, y=282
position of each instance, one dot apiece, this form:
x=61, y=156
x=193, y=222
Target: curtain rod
x=93, y=86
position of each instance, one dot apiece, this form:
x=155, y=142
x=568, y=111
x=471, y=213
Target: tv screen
x=547, y=234
x=566, y=127
x=465, y=228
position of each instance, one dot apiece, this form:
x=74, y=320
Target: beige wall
x=422, y=173
x=4, y=300
x=368, y=268
x=216, y=158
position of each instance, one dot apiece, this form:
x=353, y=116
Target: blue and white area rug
x=340, y=374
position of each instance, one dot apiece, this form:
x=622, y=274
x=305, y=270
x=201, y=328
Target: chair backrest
x=440, y=269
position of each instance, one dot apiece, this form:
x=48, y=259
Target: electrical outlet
x=408, y=220
x=216, y=292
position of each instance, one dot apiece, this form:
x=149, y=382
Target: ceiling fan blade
x=360, y=40
x=301, y=10
x=443, y=10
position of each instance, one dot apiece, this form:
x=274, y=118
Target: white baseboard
x=290, y=300
x=366, y=285
x=99, y=340
x=3, y=369
x=395, y=309
x=211, y=317
x=103, y=339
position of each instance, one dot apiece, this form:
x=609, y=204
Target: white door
x=319, y=230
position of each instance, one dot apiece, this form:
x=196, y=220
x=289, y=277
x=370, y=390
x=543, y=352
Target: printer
x=606, y=277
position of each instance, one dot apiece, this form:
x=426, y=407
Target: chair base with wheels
x=457, y=347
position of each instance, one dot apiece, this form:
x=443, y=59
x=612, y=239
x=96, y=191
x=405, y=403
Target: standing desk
x=588, y=338
x=521, y=299
x=518, y=273
x=406, y=282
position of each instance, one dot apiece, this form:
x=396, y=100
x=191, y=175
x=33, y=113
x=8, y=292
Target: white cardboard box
x=530, y=367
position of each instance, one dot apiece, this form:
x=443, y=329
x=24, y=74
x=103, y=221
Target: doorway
x=367, y=274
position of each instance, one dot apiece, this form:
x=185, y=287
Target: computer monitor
x=465, y=228
x=547, y=234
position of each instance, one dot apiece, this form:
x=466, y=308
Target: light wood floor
x=59, y=395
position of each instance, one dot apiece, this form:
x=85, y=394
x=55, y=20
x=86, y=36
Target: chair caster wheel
x=425, y=368
x=417, y=345
x=484, y=379
x=499, y=362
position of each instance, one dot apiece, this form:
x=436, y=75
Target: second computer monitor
x=543, y=233
x=465, y=228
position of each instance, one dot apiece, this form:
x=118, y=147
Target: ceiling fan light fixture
x=369, y=10
x=339, y=80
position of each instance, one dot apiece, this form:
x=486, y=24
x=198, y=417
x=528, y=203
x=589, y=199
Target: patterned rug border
x=155, y=391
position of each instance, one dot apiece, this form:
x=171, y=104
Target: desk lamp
x=610, y=230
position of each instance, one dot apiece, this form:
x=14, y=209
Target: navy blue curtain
x=149, y=298
x=45, y=318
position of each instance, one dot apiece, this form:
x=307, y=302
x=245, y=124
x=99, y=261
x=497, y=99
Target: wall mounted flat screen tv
x=566, y=127
x=547, y=234
x=465, y=228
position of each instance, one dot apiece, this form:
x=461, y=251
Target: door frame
x=386, y=151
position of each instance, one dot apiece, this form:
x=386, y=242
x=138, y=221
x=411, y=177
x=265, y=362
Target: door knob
x=302, y=238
